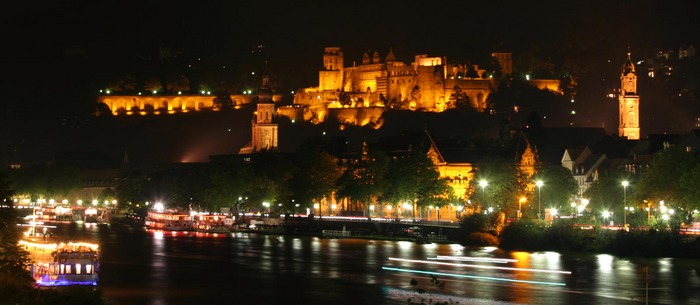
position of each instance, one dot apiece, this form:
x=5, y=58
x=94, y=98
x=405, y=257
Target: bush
x=481, y=239
x=476, y=222
x=524, y=235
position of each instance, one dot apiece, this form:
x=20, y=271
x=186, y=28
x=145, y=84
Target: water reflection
x=146, y=268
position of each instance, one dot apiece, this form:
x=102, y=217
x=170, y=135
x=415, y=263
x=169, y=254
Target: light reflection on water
x=149, y=268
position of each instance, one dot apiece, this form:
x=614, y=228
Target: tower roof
x=628, y=67
x=390, y=57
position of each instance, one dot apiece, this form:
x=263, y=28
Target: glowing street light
x=624, y=203
x=483, y=184
x=539, y=184
x=606, y=215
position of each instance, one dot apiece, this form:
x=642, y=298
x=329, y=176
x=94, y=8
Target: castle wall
x=364, y=116
x=143, y=104
x=360, y=78
x=547, y=84
x=314, y=97
x=400, y=87
x=431, y=89
x=478, y=90
x=330, y=80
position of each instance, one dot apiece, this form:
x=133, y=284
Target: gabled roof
x=571, y=154
x=552, y=142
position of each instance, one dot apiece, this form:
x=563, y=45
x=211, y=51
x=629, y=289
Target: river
x=142, y=267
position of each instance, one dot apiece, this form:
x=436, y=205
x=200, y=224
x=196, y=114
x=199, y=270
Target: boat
x=168, y=221
x=212, y=223
x=93, y=215
x=54, y=263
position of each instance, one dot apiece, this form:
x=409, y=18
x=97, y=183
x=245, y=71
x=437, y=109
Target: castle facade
x=426, y=84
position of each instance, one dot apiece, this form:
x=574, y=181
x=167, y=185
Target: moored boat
x=54, y=263
x=168, y=221
x=212, y=223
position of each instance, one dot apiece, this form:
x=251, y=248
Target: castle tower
x=331, y=77
x=629, y=101
x=505, y=60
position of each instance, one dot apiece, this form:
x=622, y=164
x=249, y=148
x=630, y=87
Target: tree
x=471, y=72
x=414, y=178
x=458, y=98
x=131, y=188
x=46, y=180
x=561, y=187
x=14, y=262
x=662, y=180
x=690, y=190
x=223, y=101
x=505, y=184
x=363, y=179
x=606, y=193
x=316, y=174
x=179, y=187
x=270, y=176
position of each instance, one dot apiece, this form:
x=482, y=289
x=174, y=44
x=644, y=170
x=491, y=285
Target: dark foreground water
x=159, y=268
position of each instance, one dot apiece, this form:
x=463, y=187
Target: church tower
x=264, y=131
x=629, y=101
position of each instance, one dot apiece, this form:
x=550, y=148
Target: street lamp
x=483, y=184
x=606, y=215
x=539, y=184
x=624, y=203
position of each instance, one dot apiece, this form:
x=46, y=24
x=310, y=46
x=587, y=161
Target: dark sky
x=106, y=33
x=55, y=55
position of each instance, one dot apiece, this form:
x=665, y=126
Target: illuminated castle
x=358, y=95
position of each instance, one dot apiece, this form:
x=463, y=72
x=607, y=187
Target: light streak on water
x=475, y=259
x=472, y=276
x=477, y=266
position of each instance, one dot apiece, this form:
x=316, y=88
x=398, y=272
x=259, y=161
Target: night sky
x=57, y=54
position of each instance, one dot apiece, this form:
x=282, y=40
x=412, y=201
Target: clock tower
x=629, y=101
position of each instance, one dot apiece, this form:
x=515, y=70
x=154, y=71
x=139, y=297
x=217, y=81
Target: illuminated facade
x=378, y=83
x=166, y=104
x=264, y=132
x=629, y=101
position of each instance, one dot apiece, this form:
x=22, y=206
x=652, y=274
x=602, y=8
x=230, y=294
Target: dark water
x=157, y=268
